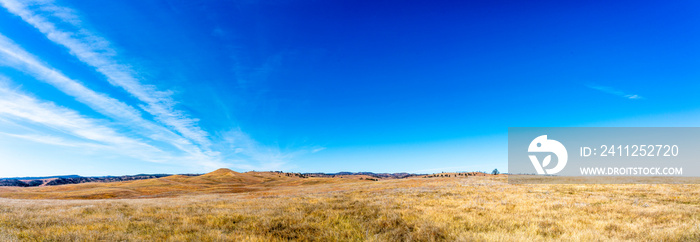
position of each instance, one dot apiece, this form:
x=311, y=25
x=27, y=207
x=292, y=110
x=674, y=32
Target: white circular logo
x=542, y=144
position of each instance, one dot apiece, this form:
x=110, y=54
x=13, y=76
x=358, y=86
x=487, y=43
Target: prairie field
x=473, y=208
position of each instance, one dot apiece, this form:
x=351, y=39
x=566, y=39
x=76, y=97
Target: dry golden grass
x=219, y=181
x=415, y=209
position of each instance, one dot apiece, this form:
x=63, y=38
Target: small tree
x=495, y=172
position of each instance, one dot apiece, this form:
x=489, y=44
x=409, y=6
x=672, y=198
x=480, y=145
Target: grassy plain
x=275, y=208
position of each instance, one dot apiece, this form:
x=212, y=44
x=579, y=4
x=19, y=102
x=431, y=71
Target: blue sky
x=126, y=87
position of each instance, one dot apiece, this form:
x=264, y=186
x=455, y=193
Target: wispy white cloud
x=247, y=149
x=19, y=106
x=53, y=140
x=13, y=55
x=97, y=52
x=614, y=91
x=318, y=149
x=173, y=127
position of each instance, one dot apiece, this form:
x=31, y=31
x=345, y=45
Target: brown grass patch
x=416, y=209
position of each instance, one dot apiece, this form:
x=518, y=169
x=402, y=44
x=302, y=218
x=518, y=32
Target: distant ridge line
x=76, y=179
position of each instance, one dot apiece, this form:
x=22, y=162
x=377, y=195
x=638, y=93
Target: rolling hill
x=219, y=181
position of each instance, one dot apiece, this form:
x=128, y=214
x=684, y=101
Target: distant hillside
x=376, y=175
x=219, y=181
x=73, y=179
x=20, y=183
x=39, y=177
x=76, y=179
